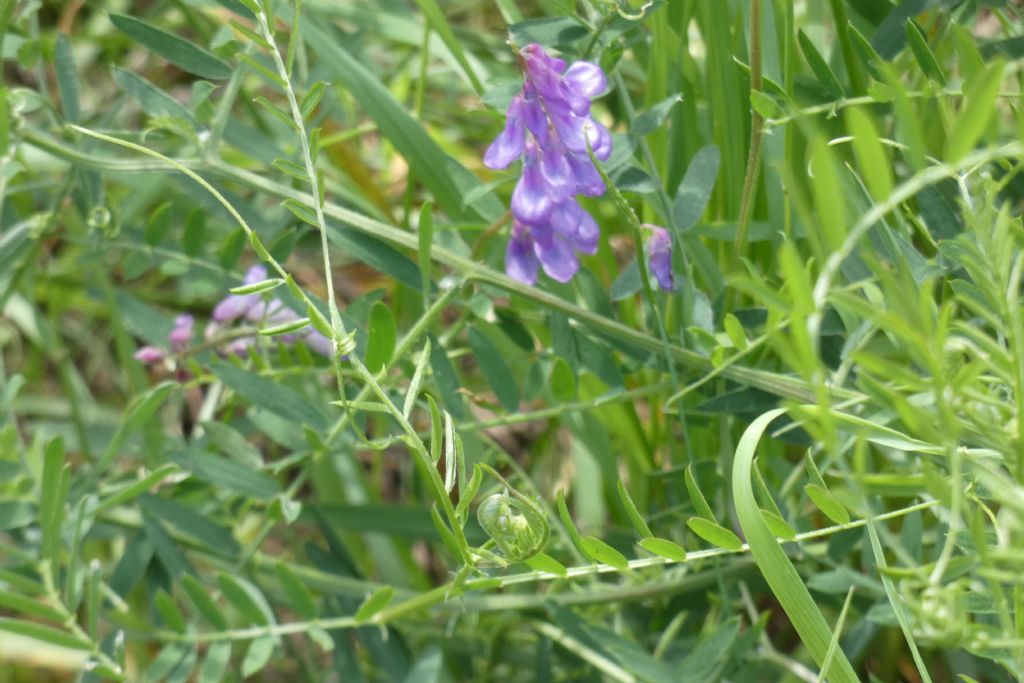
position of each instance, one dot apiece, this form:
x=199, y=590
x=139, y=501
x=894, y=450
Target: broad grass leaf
x=1011, y=48
x=378, y=255
x=190, y=522
x=652, y=119
x=445, y=378
x=195, y=232
x=714, y=533
x=177, y=51
x=773, y=562
x=706, y=661
x=227, y=474
x=627, y=283
x=606, y=644
x=271, y=395
x=401, y=521
x=554, y=32
x=425, y=157
x=15, y=514
x=433, y=13
x=150, y=98
x=695, y=189
x=494, y=368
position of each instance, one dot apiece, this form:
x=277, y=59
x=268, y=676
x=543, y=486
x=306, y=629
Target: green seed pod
x=518, y=527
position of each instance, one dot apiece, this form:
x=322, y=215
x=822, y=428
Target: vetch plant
x=802, y=464
x=268, y=313
x=550, y=127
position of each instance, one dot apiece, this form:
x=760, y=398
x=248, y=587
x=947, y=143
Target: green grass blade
x=778, y=571
x=424, y=156
x=432, y=11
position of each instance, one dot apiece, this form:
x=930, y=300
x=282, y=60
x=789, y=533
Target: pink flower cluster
x=252, y=308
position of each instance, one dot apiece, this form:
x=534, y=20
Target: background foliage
x=806, y=459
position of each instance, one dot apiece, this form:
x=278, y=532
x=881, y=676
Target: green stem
x=450, y=595
x=853, y=66
x=756, y=130
x=780, y=385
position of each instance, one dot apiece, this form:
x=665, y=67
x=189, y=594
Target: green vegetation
x=272, y=409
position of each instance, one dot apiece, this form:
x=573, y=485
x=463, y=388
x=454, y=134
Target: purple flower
x=520, y=258
x=150, y=354
x=234, y=306
x=659, y=255
x=181, y=335
x=178, y=340
x=549, y=126
x=254, y=308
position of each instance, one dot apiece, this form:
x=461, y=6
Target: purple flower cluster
x=250, y=307
x=178, y=339
x=549, y=126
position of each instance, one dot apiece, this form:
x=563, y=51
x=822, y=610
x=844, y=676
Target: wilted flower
x=659, y=255
x=549, y=125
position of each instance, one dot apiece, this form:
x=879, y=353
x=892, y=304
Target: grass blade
x=778, y=571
